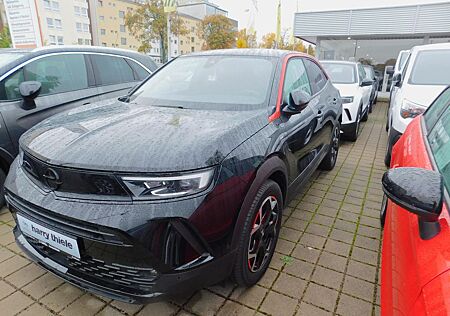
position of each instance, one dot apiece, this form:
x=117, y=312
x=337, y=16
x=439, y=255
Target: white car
x=424, y=76
x=350, y=79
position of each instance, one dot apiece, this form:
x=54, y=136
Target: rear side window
x=439, y=140
x=57, y=74
x=111, y=70
x=140, y=72
x=317, y=78
x=296, y=78
x=362, y=73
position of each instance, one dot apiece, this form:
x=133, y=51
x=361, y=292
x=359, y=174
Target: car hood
x=122, y=137
x=421, y=94
x=347, y=90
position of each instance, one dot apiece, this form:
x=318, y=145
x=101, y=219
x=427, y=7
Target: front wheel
x=365, y=117
x=329, y=161
x=259, y=235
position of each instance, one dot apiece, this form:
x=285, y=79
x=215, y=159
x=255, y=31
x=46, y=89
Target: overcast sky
x=265, y=21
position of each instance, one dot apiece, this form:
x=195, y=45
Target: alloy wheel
x=263, y=234
x=335, y=144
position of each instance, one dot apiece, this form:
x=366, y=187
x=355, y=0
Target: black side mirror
x=298, y=101
x=366, y=83
x=419, y=191
x=29, y=90
x=397, y=79
x=390, y=70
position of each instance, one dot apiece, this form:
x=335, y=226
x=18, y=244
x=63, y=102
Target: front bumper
x=129, y=251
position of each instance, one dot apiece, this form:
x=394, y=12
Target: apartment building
x=3, y=20
x=190, y=42
x=108, y=23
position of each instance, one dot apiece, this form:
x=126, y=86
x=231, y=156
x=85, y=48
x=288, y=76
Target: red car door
x=415, y=272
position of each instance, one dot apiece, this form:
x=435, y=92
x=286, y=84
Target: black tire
x=371, y=106
x=383, y=210
x=353, y=135
x=365, y=117
x=329, y=161
x=388, y=156
x=2, y=189
x=247, y=272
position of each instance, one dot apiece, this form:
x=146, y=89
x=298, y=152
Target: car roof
x=428, y=47
x=146, y=60
x=263, y=52
x=339, y=62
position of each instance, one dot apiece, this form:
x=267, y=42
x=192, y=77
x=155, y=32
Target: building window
x=101, y=17
x=87, y=41
x=174, y=41
x=192, y=39
x=58, y=24
x=60, y=40
x=100, y=3
x=47, y=4
x=121, y=14
x=104, y=44
x=102, y=31
x=122, y=28
x=52, y=40
x=175, y=52
x=84, y=12
x=80, y=41
x=77, y=10
x=85, y=27
x=80, y=11
x=55, y=5
x=123, y=40
x=192, y=29
x=50, y=24
x=79, y=27
x=192, y=49
x=181, y=42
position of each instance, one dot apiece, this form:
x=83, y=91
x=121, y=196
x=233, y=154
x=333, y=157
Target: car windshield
x=341, y=73
x=431, y=68
x=210, y=82
x=6, y=58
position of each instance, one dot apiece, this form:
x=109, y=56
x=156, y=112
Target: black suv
x=182, y=183
x=68, y=77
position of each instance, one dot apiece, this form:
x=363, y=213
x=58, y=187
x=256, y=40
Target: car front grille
x=70, y=180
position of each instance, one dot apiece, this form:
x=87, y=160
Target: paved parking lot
x=327, y=259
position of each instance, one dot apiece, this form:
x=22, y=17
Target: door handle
x=86, y=103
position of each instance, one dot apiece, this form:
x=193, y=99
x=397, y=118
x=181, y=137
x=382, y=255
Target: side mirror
x=397, y=79
x=29, y=90
x=366, y=83
x=419, y=191
x=298, y=101
x=390, y=70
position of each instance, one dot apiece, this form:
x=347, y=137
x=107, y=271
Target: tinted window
x=369, y=72
x=341, y=73
x=57, y=74
x=140, y=72
x=209, y=81
x=317, y=78
x=111, y=70
x=431, y=68
x=436, y=109
x=362, y=73
x=439, y=140
x=402, y=61
x=296, y=78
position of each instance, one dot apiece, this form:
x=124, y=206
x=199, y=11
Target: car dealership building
x=374, y=35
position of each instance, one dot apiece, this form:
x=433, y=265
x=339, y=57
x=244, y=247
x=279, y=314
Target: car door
x=66, y=80
x=115, y=75
x=300, y=129
x=325, y=101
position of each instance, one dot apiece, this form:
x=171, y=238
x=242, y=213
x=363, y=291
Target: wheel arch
x=5, y=160
x=273, y=168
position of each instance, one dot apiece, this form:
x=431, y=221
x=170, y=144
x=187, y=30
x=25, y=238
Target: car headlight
x=411, y=110
x=164, y=187
x=347, y=100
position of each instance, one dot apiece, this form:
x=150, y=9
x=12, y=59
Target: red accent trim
x=277, y=113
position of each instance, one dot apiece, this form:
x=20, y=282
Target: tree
x=5, y=38
x=268, y=40
x=311, y=50
x=149, y=23
x=246, y=39
x=217, y=31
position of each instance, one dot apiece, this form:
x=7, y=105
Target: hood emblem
x=51, y=179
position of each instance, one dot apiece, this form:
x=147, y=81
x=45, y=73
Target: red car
x=415, y=274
